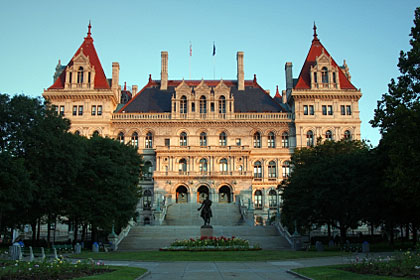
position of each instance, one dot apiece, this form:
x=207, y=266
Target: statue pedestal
x=206, y=231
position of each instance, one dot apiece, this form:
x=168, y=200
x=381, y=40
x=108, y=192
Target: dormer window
x=183, y=107
x=80, y=75
x=334, y=78
x=324, y=74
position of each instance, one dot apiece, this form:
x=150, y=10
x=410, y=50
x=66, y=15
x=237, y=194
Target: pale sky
x=368, y=34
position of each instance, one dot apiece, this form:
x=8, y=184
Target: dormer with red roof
x=325, y=101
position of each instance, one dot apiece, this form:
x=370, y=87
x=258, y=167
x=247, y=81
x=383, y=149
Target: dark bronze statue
x=206, y=213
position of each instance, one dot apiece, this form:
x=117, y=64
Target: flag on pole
x=214, y=48
x=190, y=49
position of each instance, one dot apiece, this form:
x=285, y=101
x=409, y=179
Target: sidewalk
x=269, y=270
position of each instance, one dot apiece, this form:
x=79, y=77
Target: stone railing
x=123, y=234
x=283, y=231
x=160, y=212
x=168, y=116
x=247, y=212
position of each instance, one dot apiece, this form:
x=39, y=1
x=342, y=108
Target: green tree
x=328, y=185
x=397, y=116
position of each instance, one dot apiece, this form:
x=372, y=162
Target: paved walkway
x=269, y=270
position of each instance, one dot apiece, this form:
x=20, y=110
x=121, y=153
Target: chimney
x=164, y=71
x=289, y=75
x=115, y=75
x=283, y=97
x=134, y=89
x=240, y=62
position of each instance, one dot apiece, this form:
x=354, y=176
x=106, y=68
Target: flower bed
x=405, y=264
x=57, y=269
x=211, y=244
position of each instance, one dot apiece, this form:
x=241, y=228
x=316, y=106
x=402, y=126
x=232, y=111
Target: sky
x=368, y=34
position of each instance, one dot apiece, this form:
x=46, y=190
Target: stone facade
x=226, y=139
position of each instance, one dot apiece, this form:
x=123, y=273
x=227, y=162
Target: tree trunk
x=48, y=231
x=414, y=234
x=33, y=226
x=329, y=231
x=343, y=233
x=76, y=231
x=84, y=232
x=371, y=229
x=94, y=233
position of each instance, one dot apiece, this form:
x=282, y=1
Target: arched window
x=272, y=199
x=223, y=165
x=183, y=107
x=334, y=78
x=95, y=133
x=149, y=140
x=347, y=135
x=324, y=73
x=309, y=138
x=77, y=132
x=147, y=199
x=203, y=165
x=271, y=140
x=286, y=169
x=328, y=135
x=272, y=172
x=148, y=171
x=222, y=139
x=258, y=199
x=203, y=105
x=285, y=140
x=203, y=139
x=182, y=166
x=257, y=140
x=135, y=140
x=121, y=137
x=183, y=139
x=257, y=170
x=315, y=78
x=222, y=105
x=80, y=75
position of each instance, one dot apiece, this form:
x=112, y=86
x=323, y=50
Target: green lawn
x=334, y=272
x=263, y=255
x=120, y=273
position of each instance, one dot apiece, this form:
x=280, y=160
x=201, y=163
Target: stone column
x=164, y=71
x=240, y=74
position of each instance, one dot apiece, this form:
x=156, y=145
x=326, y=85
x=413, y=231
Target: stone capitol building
x=226, y=139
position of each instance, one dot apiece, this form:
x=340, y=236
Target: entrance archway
x=202, y=193
x=181, y=194
x=225, y=195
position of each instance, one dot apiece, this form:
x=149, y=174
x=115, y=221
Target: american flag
x=190, y=49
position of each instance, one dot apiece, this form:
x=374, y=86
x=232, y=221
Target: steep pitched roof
x=88, y=49
x=152, y=99
x=304, y=80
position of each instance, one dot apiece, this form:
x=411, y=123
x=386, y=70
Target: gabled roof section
x=153, y=100
x=89, y=51
x=304, y=80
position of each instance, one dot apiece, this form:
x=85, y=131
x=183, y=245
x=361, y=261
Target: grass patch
x=335, y=272
x=120, y=273
x=263, y=255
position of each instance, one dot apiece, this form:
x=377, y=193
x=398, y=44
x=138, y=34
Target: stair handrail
x=243, y=210
x=123, y=234
x=283, y=231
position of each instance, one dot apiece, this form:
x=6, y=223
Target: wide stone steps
x=155, y=237
x=226, y=214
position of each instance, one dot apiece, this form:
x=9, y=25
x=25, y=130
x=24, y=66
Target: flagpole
x=189, y=62
x=214, y=60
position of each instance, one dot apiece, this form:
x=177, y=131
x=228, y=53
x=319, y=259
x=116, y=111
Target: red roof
x=89, y=51
x=277, y=93
x=304, y=80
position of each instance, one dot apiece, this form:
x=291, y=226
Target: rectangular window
x=61, y=110
x=330, y=110
x=81, y=110
x=238, y=141
x=324, y=110
x=74, y=110
x=55, y=108
x=305, y=109
x=167, y=142
x=343, y=110
x=70, y=80
x=348, y=110
x=192, y=107
x=99, y=110
x=212, y=106
x=93, y=110
x=311, y=110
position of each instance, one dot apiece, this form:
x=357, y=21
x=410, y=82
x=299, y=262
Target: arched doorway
x=202, y=193
x=225, y=195
x=181, y=194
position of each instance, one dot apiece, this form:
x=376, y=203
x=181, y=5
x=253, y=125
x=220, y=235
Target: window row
x=328, y=136
x=273, y=199
x=202, y=105
x=183, y=140
x=78, y=110
x=326, y=110
x=272, y=169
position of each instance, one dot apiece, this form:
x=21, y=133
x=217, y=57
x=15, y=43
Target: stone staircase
x=183, y=222
x=186, y=214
